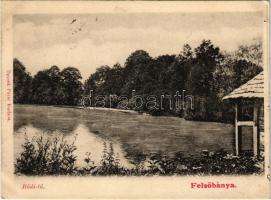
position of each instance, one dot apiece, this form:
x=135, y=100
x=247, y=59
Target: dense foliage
x=22, y=83
x=50, y=86
x=55, y=156
x=46, y=156
x=205, y=72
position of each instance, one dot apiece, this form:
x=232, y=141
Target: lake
x=129, y=133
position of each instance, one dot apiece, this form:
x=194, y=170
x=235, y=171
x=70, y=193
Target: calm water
x=130, y=134
x=85, y=141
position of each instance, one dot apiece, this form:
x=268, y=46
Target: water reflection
x=85, y=141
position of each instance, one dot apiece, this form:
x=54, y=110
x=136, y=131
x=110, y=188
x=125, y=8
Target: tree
x=180, y=69
x=236, y=69
x=243, y=71
x=98, y=80
x=115, y=79
x=164, y=66
x=252, y=53
x=204, y=72
x=55, y=87
x=202, y=83
x=22, y=82
x=135, y=65
x=72, y=85
x=207, y=59
x=47, y=88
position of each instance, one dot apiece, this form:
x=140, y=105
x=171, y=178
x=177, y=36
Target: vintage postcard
x=135, y=99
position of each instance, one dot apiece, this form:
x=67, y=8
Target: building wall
x=261, y=117
x=261, y=127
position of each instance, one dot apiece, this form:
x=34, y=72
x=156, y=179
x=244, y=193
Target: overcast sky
x=41, y=41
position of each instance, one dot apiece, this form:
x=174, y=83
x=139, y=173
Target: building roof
x=254, y=88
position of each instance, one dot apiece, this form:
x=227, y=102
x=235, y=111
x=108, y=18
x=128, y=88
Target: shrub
x=55, y=156
x=110, y=163
x=46, y=156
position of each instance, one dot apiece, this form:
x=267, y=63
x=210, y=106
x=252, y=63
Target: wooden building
x=249, y=115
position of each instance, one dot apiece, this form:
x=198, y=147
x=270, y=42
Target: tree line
x=50, y=86
x=204, y=72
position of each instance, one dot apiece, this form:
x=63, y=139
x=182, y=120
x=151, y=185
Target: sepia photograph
x=138, y=94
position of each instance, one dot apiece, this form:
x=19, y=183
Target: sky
x=88, y=41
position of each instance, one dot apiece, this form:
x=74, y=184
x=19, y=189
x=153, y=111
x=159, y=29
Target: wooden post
x=236, y=130
x=255, y=129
